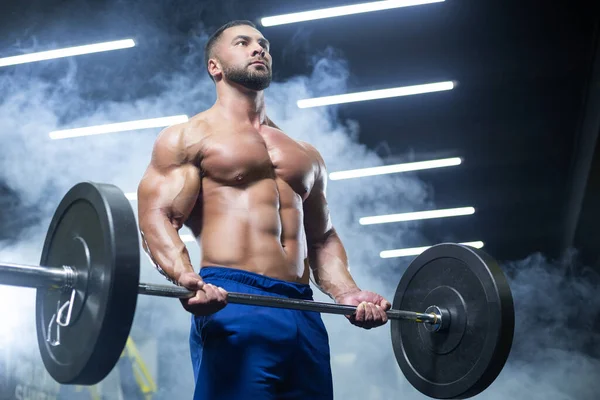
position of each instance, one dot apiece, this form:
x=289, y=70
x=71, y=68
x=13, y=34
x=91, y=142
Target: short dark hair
x=212, y=40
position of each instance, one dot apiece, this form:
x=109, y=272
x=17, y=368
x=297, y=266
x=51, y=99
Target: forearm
x=329, y=264
x=164, y=246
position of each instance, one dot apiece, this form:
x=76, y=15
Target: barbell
x=88, y=281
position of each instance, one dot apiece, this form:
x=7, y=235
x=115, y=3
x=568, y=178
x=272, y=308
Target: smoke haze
x=556, y=349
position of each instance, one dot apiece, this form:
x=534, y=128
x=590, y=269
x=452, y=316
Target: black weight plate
x=94, y=231
x=463, y=360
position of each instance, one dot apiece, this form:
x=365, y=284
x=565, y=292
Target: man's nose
x=258, y=50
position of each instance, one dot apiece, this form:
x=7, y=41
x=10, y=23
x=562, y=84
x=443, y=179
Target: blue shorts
x=251, y=352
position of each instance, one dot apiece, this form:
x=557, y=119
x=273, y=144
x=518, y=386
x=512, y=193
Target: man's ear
x=214, y=68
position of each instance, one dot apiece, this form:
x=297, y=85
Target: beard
x=250, y=79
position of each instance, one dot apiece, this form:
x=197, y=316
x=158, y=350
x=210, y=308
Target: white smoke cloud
x=39, y=171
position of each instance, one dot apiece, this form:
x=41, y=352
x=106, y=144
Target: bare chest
x=238, y=159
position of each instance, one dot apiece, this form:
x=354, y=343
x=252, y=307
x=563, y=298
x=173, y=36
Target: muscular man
x=255, y=199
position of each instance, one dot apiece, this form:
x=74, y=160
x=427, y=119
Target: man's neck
x=241, y=104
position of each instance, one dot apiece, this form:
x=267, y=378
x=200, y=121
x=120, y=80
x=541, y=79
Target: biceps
x=174, y=193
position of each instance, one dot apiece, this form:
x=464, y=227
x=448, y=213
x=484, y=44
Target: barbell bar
x=35, y=276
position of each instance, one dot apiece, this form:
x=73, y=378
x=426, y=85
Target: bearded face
x=243, y=56
x=253, y=75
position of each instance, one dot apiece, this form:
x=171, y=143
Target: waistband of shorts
x=262, y=282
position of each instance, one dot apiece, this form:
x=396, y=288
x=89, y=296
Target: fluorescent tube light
x=376, y=94
x=119, y=127
x=67, y=52
x=341, y=11
x=391, y=169
x=414, y=251
x=413, y=216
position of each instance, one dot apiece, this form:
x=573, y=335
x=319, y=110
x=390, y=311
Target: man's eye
x=242, y=42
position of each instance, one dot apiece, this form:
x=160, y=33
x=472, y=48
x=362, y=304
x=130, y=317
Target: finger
x=360, y=312
x=370, y=314
x=221, y=294
x=384, y=317
x=378, y=314
x=215, y=294
x=212, y=294
x=199, y=297
x=386, y=305
x=368, y=319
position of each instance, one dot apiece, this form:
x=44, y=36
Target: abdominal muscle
x=256, y=227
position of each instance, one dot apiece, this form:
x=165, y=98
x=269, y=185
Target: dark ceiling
x=523, y=117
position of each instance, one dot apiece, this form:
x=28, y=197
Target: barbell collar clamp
x=442, y=321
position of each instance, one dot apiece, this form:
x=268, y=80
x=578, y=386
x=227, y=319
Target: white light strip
x=67, y=52
x=376, y=94
x=119, y=127
x=340, y=11
x=132, y=196
x=391, y=169
x=413, y=216
x=188, y=238
x=414, y=251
